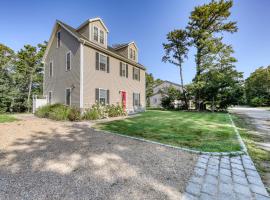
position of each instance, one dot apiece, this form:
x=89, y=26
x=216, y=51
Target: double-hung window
x=103, y=62
x=102, y=96
x=101, y=33
x=123, y=69
x=51, y=69
x=96, y=33
x=136, y=74
x=68, y=61
x=136, y=99
x=58, y=39
x=68, y=96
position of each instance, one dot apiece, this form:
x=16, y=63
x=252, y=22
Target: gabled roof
x=92, y=20
x=110, y=50
x=120, y=46
x=172, y=83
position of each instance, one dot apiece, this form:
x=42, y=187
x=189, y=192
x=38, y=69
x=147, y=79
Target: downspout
x=81, y=74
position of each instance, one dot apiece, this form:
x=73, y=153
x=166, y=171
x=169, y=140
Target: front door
x=124, y=99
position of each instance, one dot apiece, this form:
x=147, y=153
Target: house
x=160, y=90
x=82, y=69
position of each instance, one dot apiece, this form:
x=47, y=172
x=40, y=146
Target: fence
x=38, y=102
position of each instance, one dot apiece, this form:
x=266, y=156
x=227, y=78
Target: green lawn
x=201, y=131
x=6, y=118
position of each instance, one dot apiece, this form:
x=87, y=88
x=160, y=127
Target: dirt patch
x=43, y=159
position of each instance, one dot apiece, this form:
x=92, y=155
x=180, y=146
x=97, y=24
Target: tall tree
x=6, y=82
x=206, y=23
x=149, y=79
x=175, y=52
x=29, y=70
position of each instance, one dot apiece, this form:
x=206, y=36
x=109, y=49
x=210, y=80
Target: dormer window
x=96, y=33
x=101, y=37
x=132, y=54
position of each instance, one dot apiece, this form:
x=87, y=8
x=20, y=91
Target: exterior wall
x=112, y=81
x=123, y=52
x=133, y=47
x=61, y=78
x=85, y=31
x=155, y=100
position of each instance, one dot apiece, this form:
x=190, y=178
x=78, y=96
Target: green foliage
x=257, y=87
x=58, y=112
x=169, y=96
x=98, y=111
x=4, y=118
x=175, y=51
x=74, y=114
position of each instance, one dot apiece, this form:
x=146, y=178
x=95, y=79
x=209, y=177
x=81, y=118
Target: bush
x=74, y=114
x=57, y=112
x=91, y=114
x=115, y=111
x=258, y=101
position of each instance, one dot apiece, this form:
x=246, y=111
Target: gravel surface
x=42, y=159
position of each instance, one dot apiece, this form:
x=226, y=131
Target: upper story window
x=102, y=62
x=123, y=69
x=96, y=33
x=136, y=74
x=58, y=39
x=51, y=69
x=132, y=54
x=101, y=37
x=68, y=61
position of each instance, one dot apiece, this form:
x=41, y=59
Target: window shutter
x=139, y=74
x=133, y=99
x=97, y=61
x=120, y=68
x=108, y=64
x=97, y=95
x=139, y=99
x=127, y=70
x=133, y=73
x=108, y=96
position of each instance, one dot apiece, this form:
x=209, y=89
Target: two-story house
x=160, y=90
x=82, y=69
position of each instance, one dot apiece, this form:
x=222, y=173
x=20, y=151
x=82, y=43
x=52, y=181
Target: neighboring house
x=82, y=69
x=161, y=89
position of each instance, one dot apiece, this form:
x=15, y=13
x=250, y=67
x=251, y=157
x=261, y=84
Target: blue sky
x=144, y=21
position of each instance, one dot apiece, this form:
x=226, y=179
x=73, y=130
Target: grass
x=7, y=118
x=260, y=156
x=210, y=132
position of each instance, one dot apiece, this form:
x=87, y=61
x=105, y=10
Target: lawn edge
x=229, y=153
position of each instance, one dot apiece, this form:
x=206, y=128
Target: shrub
x=258, y=101
x=74, y=114
x=115, y=111
x=91, y=114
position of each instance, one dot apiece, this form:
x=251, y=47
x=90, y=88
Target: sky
x=144, y=21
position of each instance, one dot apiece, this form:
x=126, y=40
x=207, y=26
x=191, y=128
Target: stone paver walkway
x=225, y=177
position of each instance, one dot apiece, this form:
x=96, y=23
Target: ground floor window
x=68, y=96
x=102, y=96
x=136, y=99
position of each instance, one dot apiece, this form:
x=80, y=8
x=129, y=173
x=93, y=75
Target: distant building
x=161, y=89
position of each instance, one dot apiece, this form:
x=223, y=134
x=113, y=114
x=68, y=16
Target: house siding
x=111, y=81
x=61, y=78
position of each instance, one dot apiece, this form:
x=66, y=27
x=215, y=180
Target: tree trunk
x=29, y=92
x=197, y=78
x=213, y=104
x=182, y=84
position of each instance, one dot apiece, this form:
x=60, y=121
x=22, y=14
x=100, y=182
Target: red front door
x=124, y=99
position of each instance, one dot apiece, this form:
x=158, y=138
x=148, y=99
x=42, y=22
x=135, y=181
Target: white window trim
x=50, y=68
x=124, y=64
x=70, y=61
x=58, y=44
x=104, y=34
x=97, y=34
x=105, y=63
x=49, y=96
x=106, y=100
x=66, y=96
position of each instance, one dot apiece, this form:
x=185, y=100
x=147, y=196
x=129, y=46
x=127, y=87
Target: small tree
x=175, y=51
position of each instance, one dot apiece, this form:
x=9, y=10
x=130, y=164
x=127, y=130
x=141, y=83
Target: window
x=136, y=99
x=51, y=69
x=130, y=53
x=50, y=97
x=134, y=55
x=58, y=39
x=68, y=60
x=68, y=96
x=96, y=33
x=136, y=74
x=155, y=100
x=101, y=37
x=102, y=62
x=102, y=96
x=123, y=69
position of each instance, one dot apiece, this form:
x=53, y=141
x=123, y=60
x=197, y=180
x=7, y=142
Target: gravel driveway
x=42, y=159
